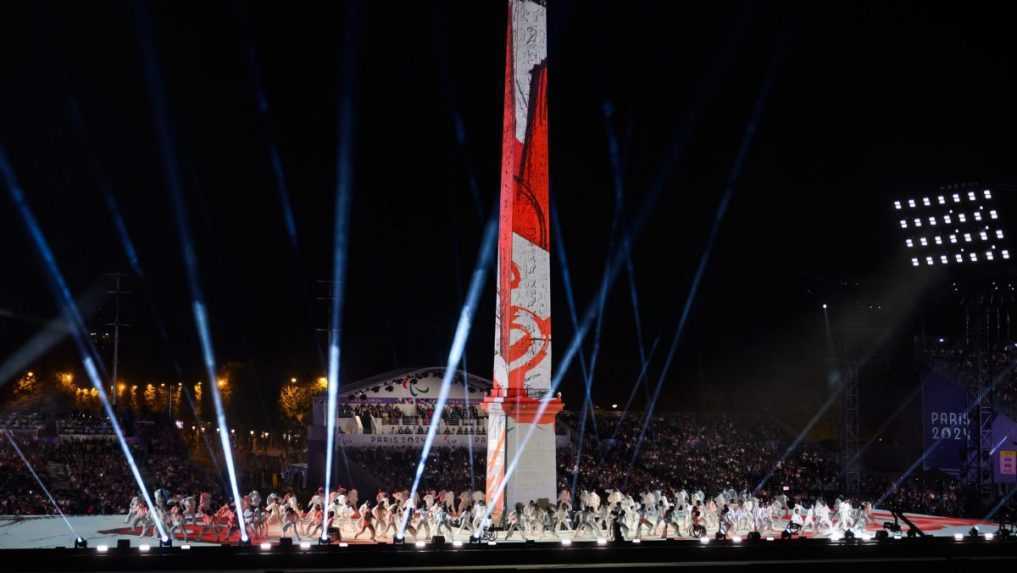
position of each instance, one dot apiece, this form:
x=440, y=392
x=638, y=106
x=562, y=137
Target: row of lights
x=968, y=237
x=959, y=258
x=972, y=196
x=601, y=541
x=948, y=220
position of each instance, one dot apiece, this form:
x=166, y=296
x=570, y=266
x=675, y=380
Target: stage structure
x=522, y=350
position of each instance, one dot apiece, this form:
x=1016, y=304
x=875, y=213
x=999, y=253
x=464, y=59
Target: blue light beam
x=725, y=201
x=38, y=480
x=76, y=323
x=340, y=246
x=171, y=170
x=455, y=353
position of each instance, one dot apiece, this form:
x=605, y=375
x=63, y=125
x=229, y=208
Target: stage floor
x=36, y=532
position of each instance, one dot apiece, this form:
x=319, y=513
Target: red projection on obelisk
x=522, y=351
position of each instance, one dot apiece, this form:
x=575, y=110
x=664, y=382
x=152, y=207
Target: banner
x=1004, y=449
x=945, y=422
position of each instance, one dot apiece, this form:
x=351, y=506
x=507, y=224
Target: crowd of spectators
x=416, y=419
x=93, y=477
x=969, y=366
x=21, y=421
x=84, y=424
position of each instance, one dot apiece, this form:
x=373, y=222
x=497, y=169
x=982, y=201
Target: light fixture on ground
x=166, y=542
x=305, y=545
x=566, y=542
x=420, y=544
x=101, y=548
x=266, y=546
x=80, y=543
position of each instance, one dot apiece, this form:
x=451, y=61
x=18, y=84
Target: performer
x=290, y=521
x=367, y=520
x=513, y=522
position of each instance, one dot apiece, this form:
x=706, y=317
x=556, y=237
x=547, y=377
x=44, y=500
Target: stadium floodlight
x=911, y=203
x=999, y=233
x=959, y=258
x=923, y=242
x=943, y=259
x=977, y=215
x=896, y=205
x=987, y=194
x=956, y=198
x=967, y=237
x=926, y=202
x=953, y=239
x=914, y=262
x=909, y=243
x=932, y=221
x=983, y=236
x=971, y=195
x=962, y=218
x=941, y=200
x=928, y=261
x=947, y=219
x=973, y=257
x=988, y=255
x=993, y=214
x=1005, y=253
x=903, y=224
x=938, y=240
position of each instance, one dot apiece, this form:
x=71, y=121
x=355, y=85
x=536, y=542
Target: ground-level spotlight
x=720, y=536
x=492, y=543
x=398, y=540
x=305, y=545
x=566, y=542
x=457, y=543
x=420, y=544
x=769, y=538
x=958, y=537
x=266, y=546
x=344, y=544
x=989, y=536
x=166, y=542
x=601, y=541
x=897, y=536
x=185, y=547
x=704, y=540
x=973, y=533
x=144, y=548
x=736, y=539
x=101, y=548
x=323, y=541
x=637, y=540
x=755, y=537
x=80, y=543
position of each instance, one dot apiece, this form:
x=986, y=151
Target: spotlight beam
x=76, y=323
x=38, y=480
x=729, y=189
x=340, y=245
x=171, y=170
x=455, y=354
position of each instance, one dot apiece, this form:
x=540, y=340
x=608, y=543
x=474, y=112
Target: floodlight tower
x=522, y=352
x=959, y=229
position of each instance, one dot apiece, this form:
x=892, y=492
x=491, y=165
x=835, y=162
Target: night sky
x=867, y=99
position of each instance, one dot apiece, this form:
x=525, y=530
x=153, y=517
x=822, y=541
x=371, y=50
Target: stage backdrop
x=945, y=421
